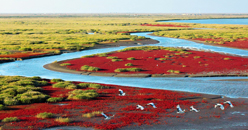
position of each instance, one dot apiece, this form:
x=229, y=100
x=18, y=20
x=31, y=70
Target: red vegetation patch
x=124, y=108
x=240, y=43
x=165, y=25
x=196, y=63
x=22, y=55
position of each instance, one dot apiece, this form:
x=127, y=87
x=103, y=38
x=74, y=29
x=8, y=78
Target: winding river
x=207, y=85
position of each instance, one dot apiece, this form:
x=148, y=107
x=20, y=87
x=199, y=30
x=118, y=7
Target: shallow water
x=34, y=67
x=213, y=21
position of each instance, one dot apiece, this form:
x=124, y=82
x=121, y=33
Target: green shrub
x=227, y=58
x=195, y=57
x=171, y=71
x=89, y=68
x=57, y=52
x=10, y=119
x=57, y=80
x=65, y=64
x=174, y=71
x=10, y=91
x=131, y=58
x=93, y=68
x=134, y=69
x=63, y=120
x=41, y=83
x=17, y=89
x=112, y=57
x=2, y=107
x=221, y=42
x=120, y=70
x=72, y=86
x=32, y=97
x=26, y=100
x=92, y=114
x=82, y=94
x=178, y=53
x=36, y=78
x=66, y=84
x=33, y=88
x=83, y=85
x=103, y=55
x=4, y=95
x=188, y=53
x=54, y=99
x=128, y=70
x=10, y=101
x=44, y=115
x=129, y=64
x=85, y=67
x=87, y=56
x=162, y=59
x=177, y=71
x=25, y=49
x=114, y=60
x=25, y=82
x=97, y=86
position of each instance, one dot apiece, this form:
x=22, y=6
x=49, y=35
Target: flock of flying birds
x=179, y=110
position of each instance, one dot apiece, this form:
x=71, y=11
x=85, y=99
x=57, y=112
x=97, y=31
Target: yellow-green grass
x=10, y=119
x=44, y=115
x=70, y=33
x=66, y=33
x=82, y=94
x=63, y=120
x=91, y=114
x=16, y=90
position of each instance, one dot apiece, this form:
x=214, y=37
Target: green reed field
x=71, y=33
x=27, y=34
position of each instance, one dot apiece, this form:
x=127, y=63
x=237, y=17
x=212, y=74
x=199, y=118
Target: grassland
x=51, y=34
x=32, y=34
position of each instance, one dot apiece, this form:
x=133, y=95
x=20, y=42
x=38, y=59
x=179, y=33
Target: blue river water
x=213, y=21
x=234, y=89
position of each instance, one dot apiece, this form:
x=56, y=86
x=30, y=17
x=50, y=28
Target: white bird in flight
x=152, y=104
x=140, y=107
x=121, y=93
x=193, y=109
x=179, y=110
x=229, y=102
x=107, y=117
x=219, y=105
